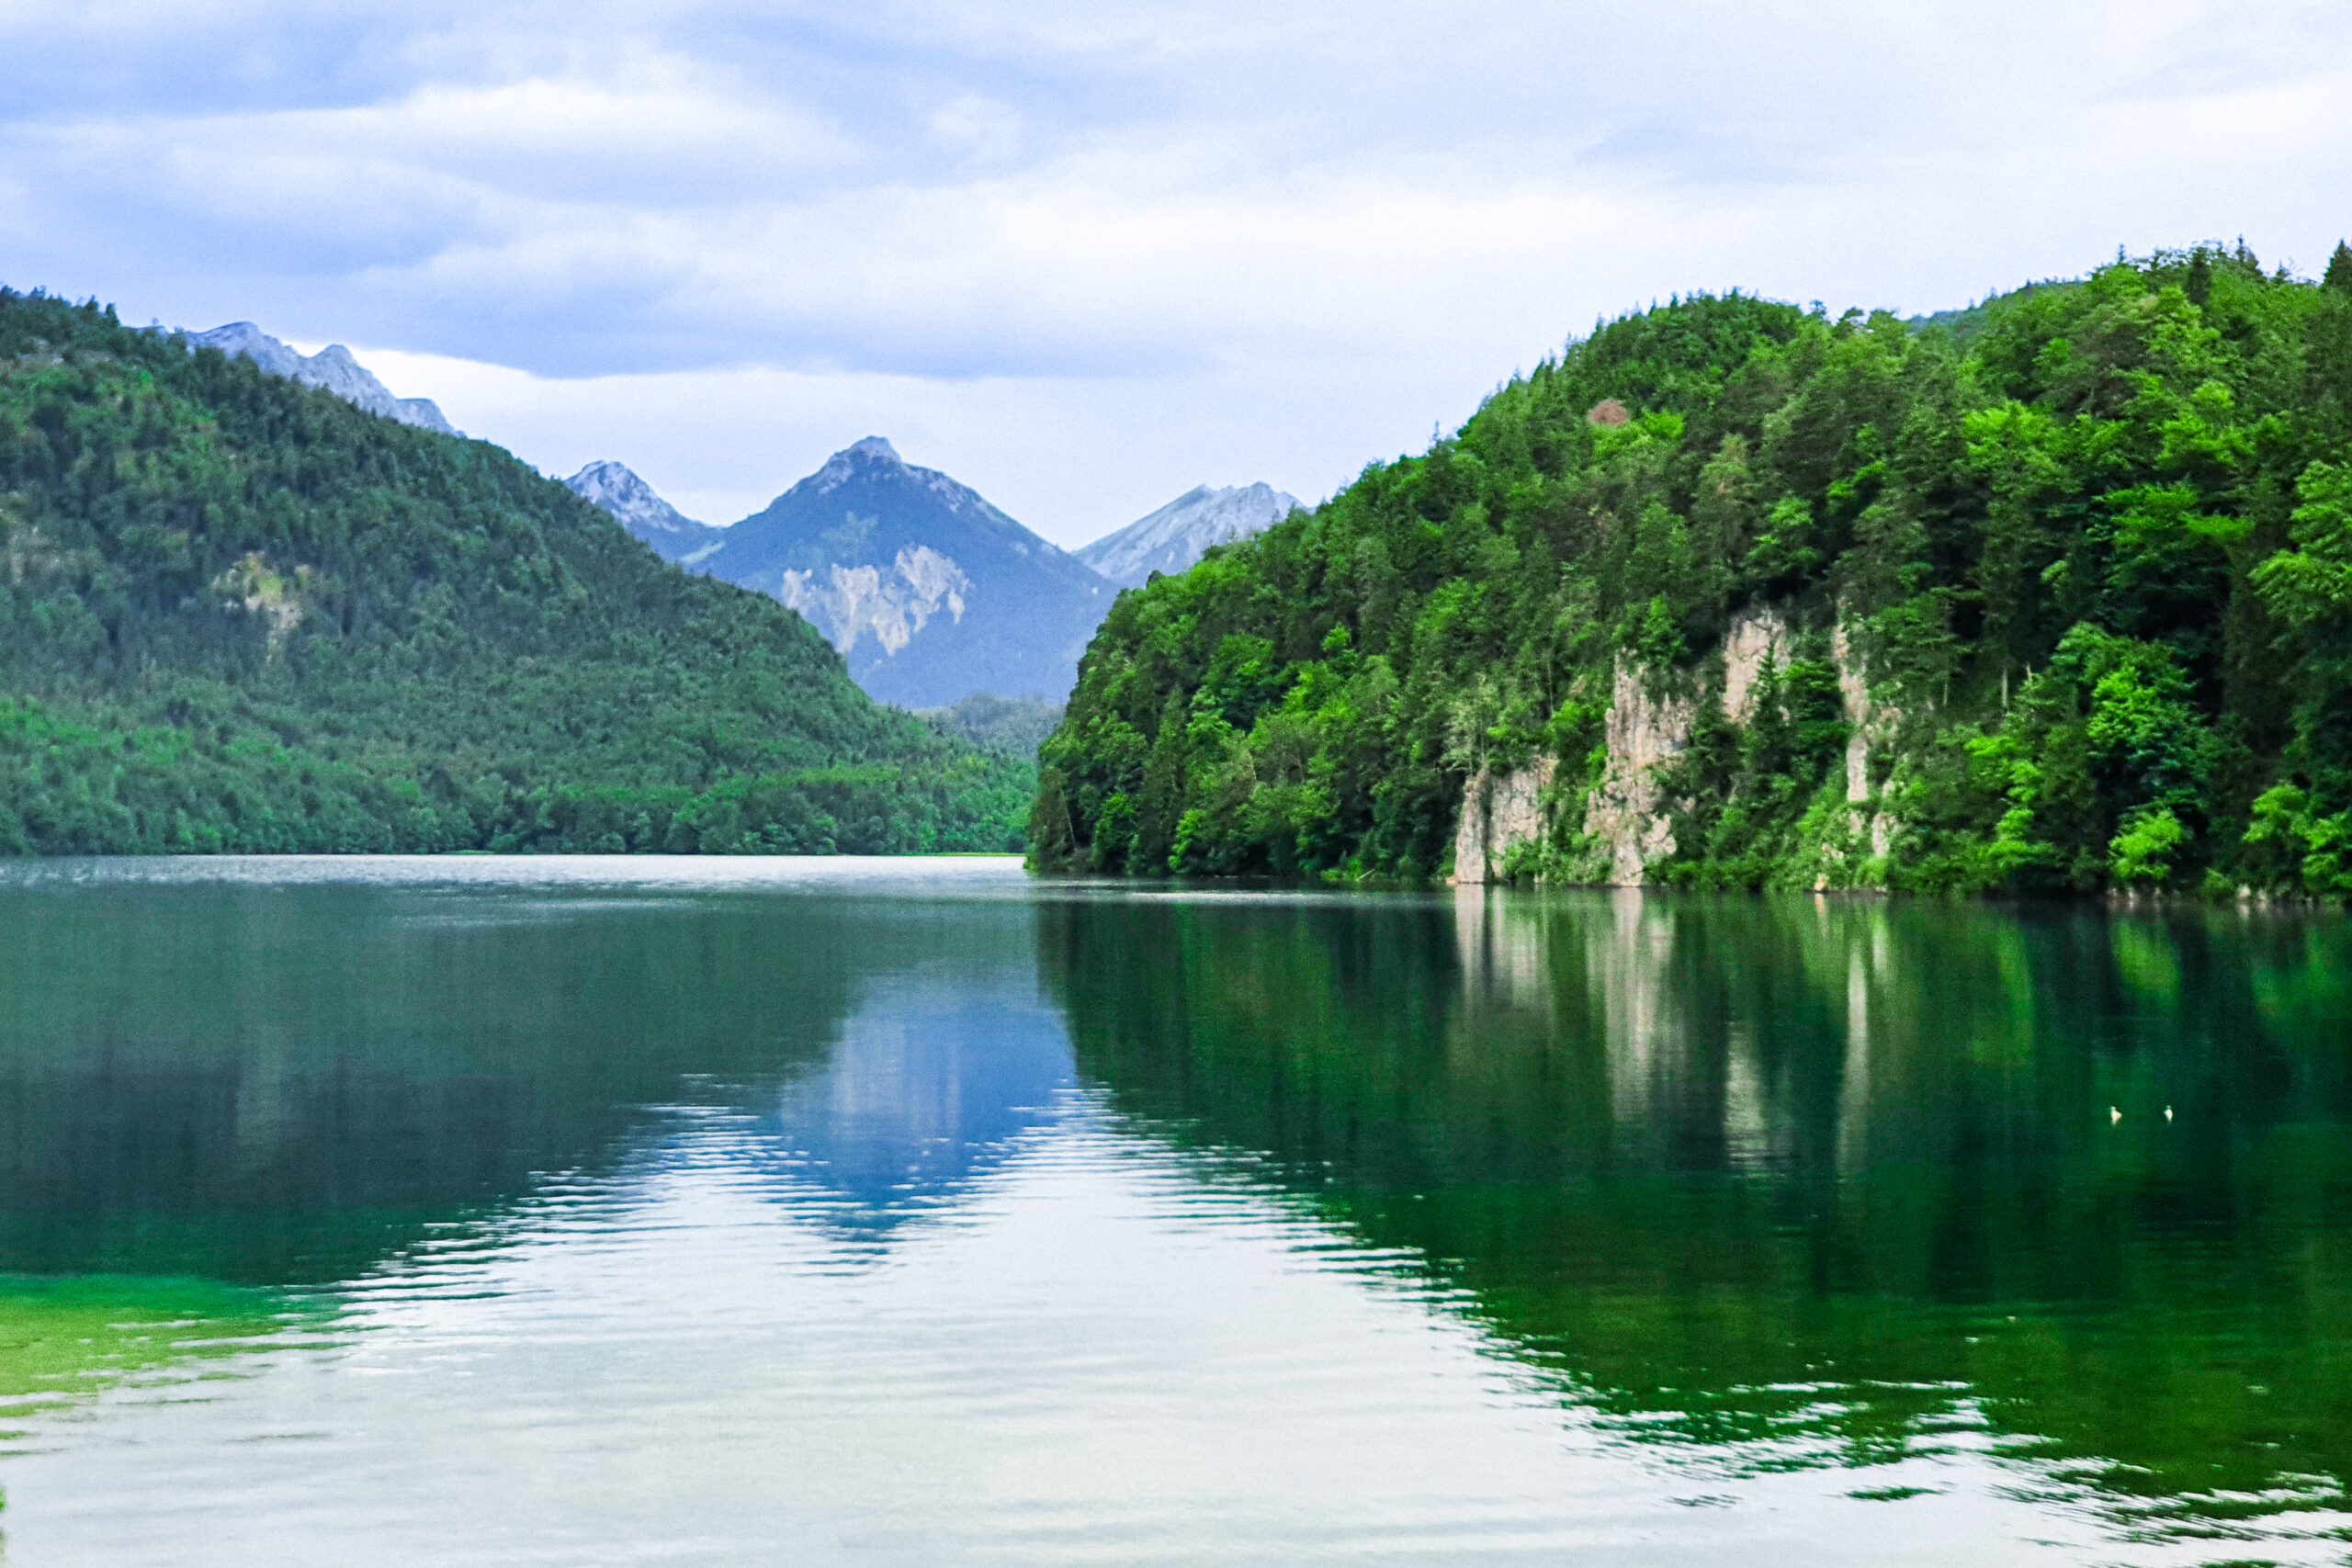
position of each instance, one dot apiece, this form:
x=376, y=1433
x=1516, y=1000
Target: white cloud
x=1091, y=254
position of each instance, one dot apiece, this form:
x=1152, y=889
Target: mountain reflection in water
x=916, y=1212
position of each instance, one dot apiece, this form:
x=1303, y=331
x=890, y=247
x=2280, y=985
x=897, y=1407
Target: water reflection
x=925, y=1220
x=284, y=1083
x=928, y=1082
x=1808, y=1183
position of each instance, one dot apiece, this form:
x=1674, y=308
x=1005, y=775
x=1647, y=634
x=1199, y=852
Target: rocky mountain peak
x=638, y=507
x=331, y=369
x=1170, y=539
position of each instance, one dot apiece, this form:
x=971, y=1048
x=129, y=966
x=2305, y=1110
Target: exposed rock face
x=1626, y=814
x=1172, y=538
x=893, y=604
x=1871, y=721
x=1756, y=638
x=931, y=593
x=1499, y=812
x=331, y=368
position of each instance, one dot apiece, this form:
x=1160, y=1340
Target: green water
x=915, y=1211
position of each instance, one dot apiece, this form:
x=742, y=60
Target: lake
x=586, y=1211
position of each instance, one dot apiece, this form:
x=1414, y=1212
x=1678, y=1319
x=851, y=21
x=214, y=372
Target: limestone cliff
x=1872, y=725
x=1758, y=642
x=1499, y=812
x=1627, y=816
x=1627, y=824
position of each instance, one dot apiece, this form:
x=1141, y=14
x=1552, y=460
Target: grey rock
x=1174, y=538
x=931, y=593
x=636, y=507
x=331, y=368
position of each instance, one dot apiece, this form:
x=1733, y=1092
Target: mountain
x=931, y=593
x=238, y=613
x=634, y=504
x=1734, y=594
x=1170, y=539
x=331, y=369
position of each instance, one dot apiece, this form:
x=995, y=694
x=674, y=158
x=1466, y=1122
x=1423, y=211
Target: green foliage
x=1013, y=725
x=238, y=614
x=1929, y=1213
x=2062, y=585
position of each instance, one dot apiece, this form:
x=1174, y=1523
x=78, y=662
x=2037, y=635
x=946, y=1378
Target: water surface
x=487, y=1210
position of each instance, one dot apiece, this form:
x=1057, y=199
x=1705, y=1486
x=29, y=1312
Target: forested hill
x=239, y=613
x=2057, y=597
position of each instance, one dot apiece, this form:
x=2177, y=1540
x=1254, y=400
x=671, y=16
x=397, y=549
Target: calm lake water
x=595, y=1211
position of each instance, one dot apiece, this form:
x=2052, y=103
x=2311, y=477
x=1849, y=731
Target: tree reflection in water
x=1801, y=1181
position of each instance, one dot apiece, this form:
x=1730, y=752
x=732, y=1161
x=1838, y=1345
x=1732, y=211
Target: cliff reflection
x=1803, y=1181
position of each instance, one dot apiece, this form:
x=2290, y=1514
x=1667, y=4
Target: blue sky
x=1085, y=257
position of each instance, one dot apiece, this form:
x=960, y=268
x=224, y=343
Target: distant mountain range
x=932, y=595
x=1179, y=533
x=331, y=368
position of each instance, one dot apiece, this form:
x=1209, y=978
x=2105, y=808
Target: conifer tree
x=2339, y=268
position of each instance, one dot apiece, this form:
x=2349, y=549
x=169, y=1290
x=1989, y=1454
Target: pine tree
x=2199, y=288
x=2339, y=268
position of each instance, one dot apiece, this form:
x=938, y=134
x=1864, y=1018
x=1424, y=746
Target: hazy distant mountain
x=1176, y=535
x=331, y=368
x=633, y=503
x=929, y=592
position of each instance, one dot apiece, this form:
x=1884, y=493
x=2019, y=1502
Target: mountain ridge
x=241, y=613
x=331, y=369
x=637, y=506
x=1171, y=538
x=929, y=592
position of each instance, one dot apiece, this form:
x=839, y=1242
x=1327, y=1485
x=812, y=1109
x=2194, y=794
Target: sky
x=1085, y=257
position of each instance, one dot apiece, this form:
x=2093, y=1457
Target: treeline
x=238, y=614
x=2054, y=594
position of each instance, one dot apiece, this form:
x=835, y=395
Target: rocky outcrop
x=1170, y=539
x=1757, y=640
x=1500, y=811
x=331, y=369
x=849, y=602
x=1626, y=817
x=1628, y=820
x=1873, y=723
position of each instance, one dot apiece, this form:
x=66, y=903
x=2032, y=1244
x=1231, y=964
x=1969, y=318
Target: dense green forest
x=238, y=614
x=1016, y=726
x=2051, y=594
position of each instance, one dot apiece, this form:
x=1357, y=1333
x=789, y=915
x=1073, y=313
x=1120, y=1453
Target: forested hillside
x=238, y=614
x=2055, y=594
